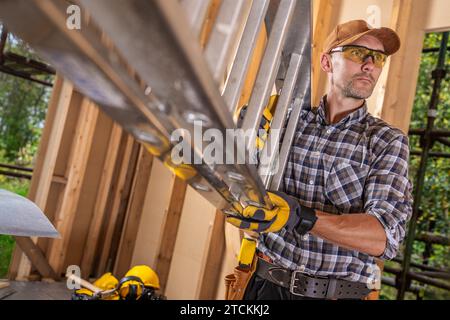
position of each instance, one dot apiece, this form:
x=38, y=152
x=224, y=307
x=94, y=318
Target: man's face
x=356, y=80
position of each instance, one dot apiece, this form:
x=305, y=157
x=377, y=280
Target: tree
x=23, y=106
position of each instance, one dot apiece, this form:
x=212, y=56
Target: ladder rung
x=247, y=45
x=218, y=49
x=196, y=13
x=298, y=41
x=269, y=154
x=267, y=72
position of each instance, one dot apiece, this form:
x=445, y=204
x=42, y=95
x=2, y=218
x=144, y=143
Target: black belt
x=301, y=284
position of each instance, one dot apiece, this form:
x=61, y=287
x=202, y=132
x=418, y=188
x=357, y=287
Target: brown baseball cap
x=348, y=32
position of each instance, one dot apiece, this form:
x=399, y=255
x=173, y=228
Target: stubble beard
x=349, y=91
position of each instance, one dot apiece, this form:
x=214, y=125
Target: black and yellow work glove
x=286, y=213
x=264, y=125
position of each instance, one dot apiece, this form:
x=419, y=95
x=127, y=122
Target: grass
x=6, y=249
x=19, y=186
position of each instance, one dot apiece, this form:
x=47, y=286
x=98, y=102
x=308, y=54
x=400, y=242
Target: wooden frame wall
x=96, y=183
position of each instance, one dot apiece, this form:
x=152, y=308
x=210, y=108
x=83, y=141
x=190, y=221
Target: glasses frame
x=370, y=54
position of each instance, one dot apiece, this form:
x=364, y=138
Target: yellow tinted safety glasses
x=359, y=54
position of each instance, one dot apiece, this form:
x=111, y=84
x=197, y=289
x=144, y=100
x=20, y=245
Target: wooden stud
x=120, y=191
x=123, y=206
x=49, y=121
x=134, y=213
x=170, y=230
x=56, y=191
x=90, y=186
x=36, y=256
x=40, y=183
x=77, y=166
x=101, y=201
x=327, y=12
x=408, y=20
x=213, y=259
x=48, y=167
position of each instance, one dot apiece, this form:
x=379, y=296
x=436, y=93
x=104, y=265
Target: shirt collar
x=354, y=117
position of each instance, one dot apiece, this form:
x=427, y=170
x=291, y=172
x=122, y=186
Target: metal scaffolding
x=428, y=136
x=20, y=66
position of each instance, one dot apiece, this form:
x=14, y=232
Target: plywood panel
x=197, y=216
x=155, y=206
x=438, y=17
x=134, y=213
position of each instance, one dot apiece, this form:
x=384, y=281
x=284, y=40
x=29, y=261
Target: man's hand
x=286, y=213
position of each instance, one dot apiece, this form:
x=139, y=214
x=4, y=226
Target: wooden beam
x=123, y=206
x=325, y=19
x=56, y=192
x=36, y=256
x=134, y=213
x=213, y=259
x=42, y=190
x=91, y=243
x=45, y=164
x=408, y=20
x=117, y=201
x=85, y=208
x=170, y=230
x=76, y=170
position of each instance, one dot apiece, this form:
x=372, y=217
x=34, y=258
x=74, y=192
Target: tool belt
x=236, y=283
x=300, y=284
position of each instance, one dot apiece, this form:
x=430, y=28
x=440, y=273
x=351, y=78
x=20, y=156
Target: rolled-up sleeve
x=387, y=194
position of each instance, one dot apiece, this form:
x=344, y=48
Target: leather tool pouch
x=236, y=283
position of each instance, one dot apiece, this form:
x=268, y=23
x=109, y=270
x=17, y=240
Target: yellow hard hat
x=138, y=277
x=106, y=282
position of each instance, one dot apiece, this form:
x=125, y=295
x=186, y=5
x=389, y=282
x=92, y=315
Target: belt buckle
x=292, y=285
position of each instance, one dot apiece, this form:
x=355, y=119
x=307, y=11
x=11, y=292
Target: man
x=347, y=197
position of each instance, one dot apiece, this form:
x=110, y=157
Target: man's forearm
x=359, y=231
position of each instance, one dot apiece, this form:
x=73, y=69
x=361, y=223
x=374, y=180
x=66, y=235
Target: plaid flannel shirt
x=359, y=165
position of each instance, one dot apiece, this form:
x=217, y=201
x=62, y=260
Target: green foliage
x=435, y=202
x=6, y=247
x=23, y=105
